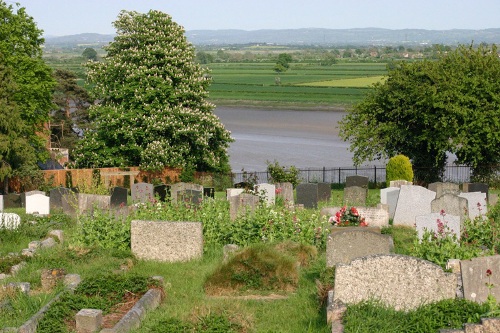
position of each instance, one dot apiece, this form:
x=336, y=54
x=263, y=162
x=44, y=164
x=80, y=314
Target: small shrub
x=281, y=174
x=398, y=167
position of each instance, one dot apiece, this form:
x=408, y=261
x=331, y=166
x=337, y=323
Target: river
x=305, y=139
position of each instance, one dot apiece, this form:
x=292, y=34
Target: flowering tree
x=152, y=108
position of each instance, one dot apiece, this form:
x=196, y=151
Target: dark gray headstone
x=119, y=197
x=209, y=192
x=12, y=200
x=56, y=197
x=360, y=181
x=161, y=191
x=324, y=191
x=307, y=195
x=142, y=192
x=245, y=185
x=476, y=187
x=190, y=196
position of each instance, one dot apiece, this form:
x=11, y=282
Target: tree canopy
x=428, y=109
x=152, y=109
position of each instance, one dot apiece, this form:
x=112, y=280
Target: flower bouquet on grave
x=348, y=217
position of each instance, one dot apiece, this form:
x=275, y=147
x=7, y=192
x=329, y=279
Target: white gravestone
x=413, y=200
x=37, y=204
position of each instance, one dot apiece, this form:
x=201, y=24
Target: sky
x=67, y=17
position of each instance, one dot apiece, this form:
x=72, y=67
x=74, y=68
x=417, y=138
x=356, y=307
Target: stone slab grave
x=444, y=188
x=231, y=192
x=37, y=203
x=27, y=194
x=56, y=197
x=399, y=182
x=118, y=197
x=451, y=204
x=285, y=191
x=166, y=241
x=1, y=202
x=307, y=195
x=360, y=181
x=142, y=193
x=324, y=191
x=398, y=281
x=413, y=200
x=12, y=200
x=182, y=187
x=267, y=191
x=476, y=187
x=374, y=216
x=430, y=222
x=389, y=196
x=162, y=192
x=9, y=221
x=89, y=202
x=355, y=196
x=346, y=244
x=193, y=197
x=242, y=203
x=476, y=204
x=477, y=280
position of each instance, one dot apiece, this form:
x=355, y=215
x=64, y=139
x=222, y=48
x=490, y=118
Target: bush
x=281, y=174
x=398, y=167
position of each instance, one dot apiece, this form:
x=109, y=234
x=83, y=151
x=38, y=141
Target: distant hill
x=311, y=36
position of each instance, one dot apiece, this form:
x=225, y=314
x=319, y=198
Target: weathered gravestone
x=444, y=188
x=241, y=204
x=56, y=197
x=37, y=204
x=399, y=182
x=161, y=192
x=285, y=191
x=12, y=200
x=451, y=204
x=193, y=197
x=166, y=241
x=476, y=187
x=389, y=196
x=440, y=224
x=398, y=281
x=9, y=221
x=244, y=185
x=481, y=277
x=1, y=202
x=374, y=216
x=346, y=244
x=88, y=202
x=142, y=193
x=360, y=181
x=324, y=191
x=231, y=192
x=307, y=195
x=355, y=196
x=476, y=204
x=209, y=192
x=118, y=197
x=185, y=189
x=267, y=192
x=413, y=200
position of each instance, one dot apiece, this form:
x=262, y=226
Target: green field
x=342, y=84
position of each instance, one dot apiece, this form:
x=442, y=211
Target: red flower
x=488, y=272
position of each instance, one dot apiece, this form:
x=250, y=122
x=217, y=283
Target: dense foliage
x=153, y=110
x=398, y=168
x=25, y=93
x=427, y=109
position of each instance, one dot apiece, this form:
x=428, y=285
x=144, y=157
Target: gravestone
x=389, y=196
x=347, y=244
x=88, y=202
x=399, y=182
x=118, y=197
x=182, y=187
x=9, y=221
x=360, y=181
x=161, y=192
x=397, y=281
x=451, y=204
x=70, y=202
x=478, y=282
x=209, y=192
x=142, y=193
x=193, y=197
x=374, y=216
x=431, y=222
x=56, y=197
x=1, y=202
x=444, y=188
x=267, y=191
x=285, y=191
x=241, y=204
x=324, y=191
x=355, y=196
x=476, y=204
x=476, y=187
x=166, y=241
x=38, y=204
x=307, y=195
x=243, y=185
x=231, y=192
x=12, y=200
x=413, y=200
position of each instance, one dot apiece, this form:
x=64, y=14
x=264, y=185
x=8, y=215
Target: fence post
x=375, y=170
x=339, y=175
x=324, y=172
